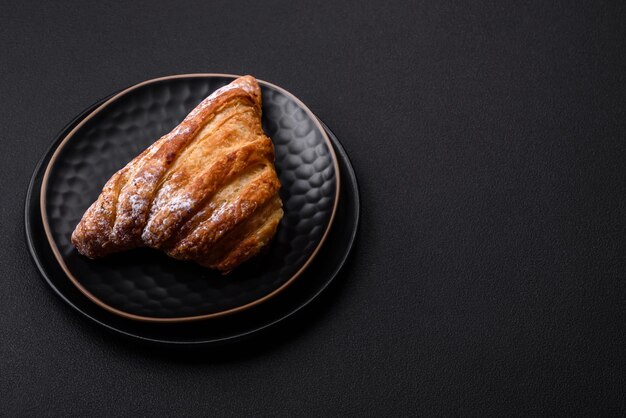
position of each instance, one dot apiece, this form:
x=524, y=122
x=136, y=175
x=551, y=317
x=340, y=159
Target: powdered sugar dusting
x=179, y=203
x=145, y=177
x=218, y=213
x=180, y=130
x=138, y=205
x=161, y=198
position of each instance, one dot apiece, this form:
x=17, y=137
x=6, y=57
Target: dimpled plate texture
x=147, y=283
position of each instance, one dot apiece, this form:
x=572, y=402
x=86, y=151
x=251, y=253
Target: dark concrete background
x=489, y=142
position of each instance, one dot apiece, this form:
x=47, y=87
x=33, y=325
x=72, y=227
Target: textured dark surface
x=212, y=332
x=147, y=282
x=488, y=137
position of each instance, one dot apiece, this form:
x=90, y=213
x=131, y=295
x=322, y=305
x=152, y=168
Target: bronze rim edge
x=97, y=301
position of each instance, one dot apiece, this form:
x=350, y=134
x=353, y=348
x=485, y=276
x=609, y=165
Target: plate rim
x=136, y=317
x=349, y=175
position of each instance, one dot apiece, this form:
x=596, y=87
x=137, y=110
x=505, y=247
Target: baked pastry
x=207, y=191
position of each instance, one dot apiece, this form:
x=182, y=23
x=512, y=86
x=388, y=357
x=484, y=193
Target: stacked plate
x=146, y=295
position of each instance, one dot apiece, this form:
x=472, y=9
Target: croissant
x=207, y=191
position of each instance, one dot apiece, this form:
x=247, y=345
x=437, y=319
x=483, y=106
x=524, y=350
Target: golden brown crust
x=207, y=191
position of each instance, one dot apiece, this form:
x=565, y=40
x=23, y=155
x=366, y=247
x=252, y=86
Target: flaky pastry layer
x=207, y=191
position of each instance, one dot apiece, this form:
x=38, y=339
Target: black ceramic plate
x=145, y=284
x=321, y=272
